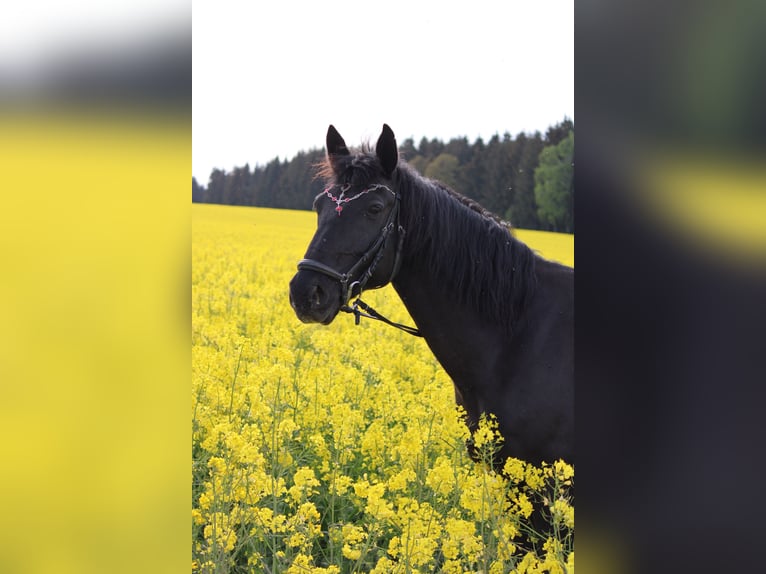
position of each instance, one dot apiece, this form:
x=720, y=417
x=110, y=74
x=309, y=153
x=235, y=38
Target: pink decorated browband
x=340, y=199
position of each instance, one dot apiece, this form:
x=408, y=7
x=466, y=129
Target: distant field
x=555, y=246
x=299, y=226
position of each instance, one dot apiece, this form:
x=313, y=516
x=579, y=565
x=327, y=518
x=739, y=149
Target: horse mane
x=470, y=249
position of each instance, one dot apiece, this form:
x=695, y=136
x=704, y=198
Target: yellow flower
x=487, y=434
x=361, y=487
x=377, y=506
x=222, y=536
x=342, y=484
x=441, y=477
x=452, y=567
x=385, y=566
x=563, y=512
x=528, y=564
x=304, y=482
x=287, y=427
x=353, y=534
x=461, y=539
x=394, y=547
x=296, y=539
x=308, y=512
x=514, y=469
x=401, y=480
x=373, y=441
x=472, y=500
x=533, y=476
x=564, y=472
x=205, y=499
x=274, y=487
x=284, y=458
x=197, y=517
x=525, y=506
x=298, y=428
x=351, y=553
x=482, y=436
x=301, y=564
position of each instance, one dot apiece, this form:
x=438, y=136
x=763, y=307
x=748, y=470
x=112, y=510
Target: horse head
x=358, y=241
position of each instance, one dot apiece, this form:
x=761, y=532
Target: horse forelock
x=360, y=167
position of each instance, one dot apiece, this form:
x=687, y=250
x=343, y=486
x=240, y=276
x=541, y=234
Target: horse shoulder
x=538, y=369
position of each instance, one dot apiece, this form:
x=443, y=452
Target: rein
x=373, y=255
x=373, y=314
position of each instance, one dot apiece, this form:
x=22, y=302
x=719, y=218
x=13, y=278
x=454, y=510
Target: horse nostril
x=316, y=295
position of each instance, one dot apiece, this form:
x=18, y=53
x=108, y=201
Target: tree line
x=527, y=179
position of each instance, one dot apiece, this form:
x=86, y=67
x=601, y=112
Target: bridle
x=372, y=255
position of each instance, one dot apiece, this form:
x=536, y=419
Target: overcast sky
x=268, y=77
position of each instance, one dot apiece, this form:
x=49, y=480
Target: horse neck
x=463, y=343
x=433, y=308
x=459, y=263
x=456, y=330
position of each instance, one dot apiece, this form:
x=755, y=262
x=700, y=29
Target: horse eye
x=374, y=209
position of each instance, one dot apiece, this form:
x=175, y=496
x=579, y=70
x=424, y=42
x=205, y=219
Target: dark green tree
x=198, y=192
x=495, y=174
x=215, y=186
x=297, y=185
x=236, y=187
x=430, y=149
x=407, y=149
x=500, y=174
x=554, y=186
x=420, y=163
x=445, y=167
x=474, y=172
x=522, y=211
x=269, y=189
x=512, y=150
x=460, y=148
x=558, y=132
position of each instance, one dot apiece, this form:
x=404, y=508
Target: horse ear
x=335, y=144
x=386, y=150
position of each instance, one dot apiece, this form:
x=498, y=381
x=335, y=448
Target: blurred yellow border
x=717, y=202
x=94, y=361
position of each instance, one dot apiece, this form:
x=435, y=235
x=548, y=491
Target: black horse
x=498, y=317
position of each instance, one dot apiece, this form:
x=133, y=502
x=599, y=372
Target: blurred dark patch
x=686, y=73
x=669, y=332
x=151, y=74
x=670, y=398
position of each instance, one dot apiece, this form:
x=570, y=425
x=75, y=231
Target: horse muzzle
x=314, y=297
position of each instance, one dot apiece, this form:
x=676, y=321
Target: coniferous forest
x=527, y=179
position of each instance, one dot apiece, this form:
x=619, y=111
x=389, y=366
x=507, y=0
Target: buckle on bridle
x=351, y=290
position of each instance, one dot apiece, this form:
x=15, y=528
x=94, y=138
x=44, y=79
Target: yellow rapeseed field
x=339, y=449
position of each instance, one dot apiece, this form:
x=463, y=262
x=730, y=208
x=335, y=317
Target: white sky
x=268, y=77
x=32, y=32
